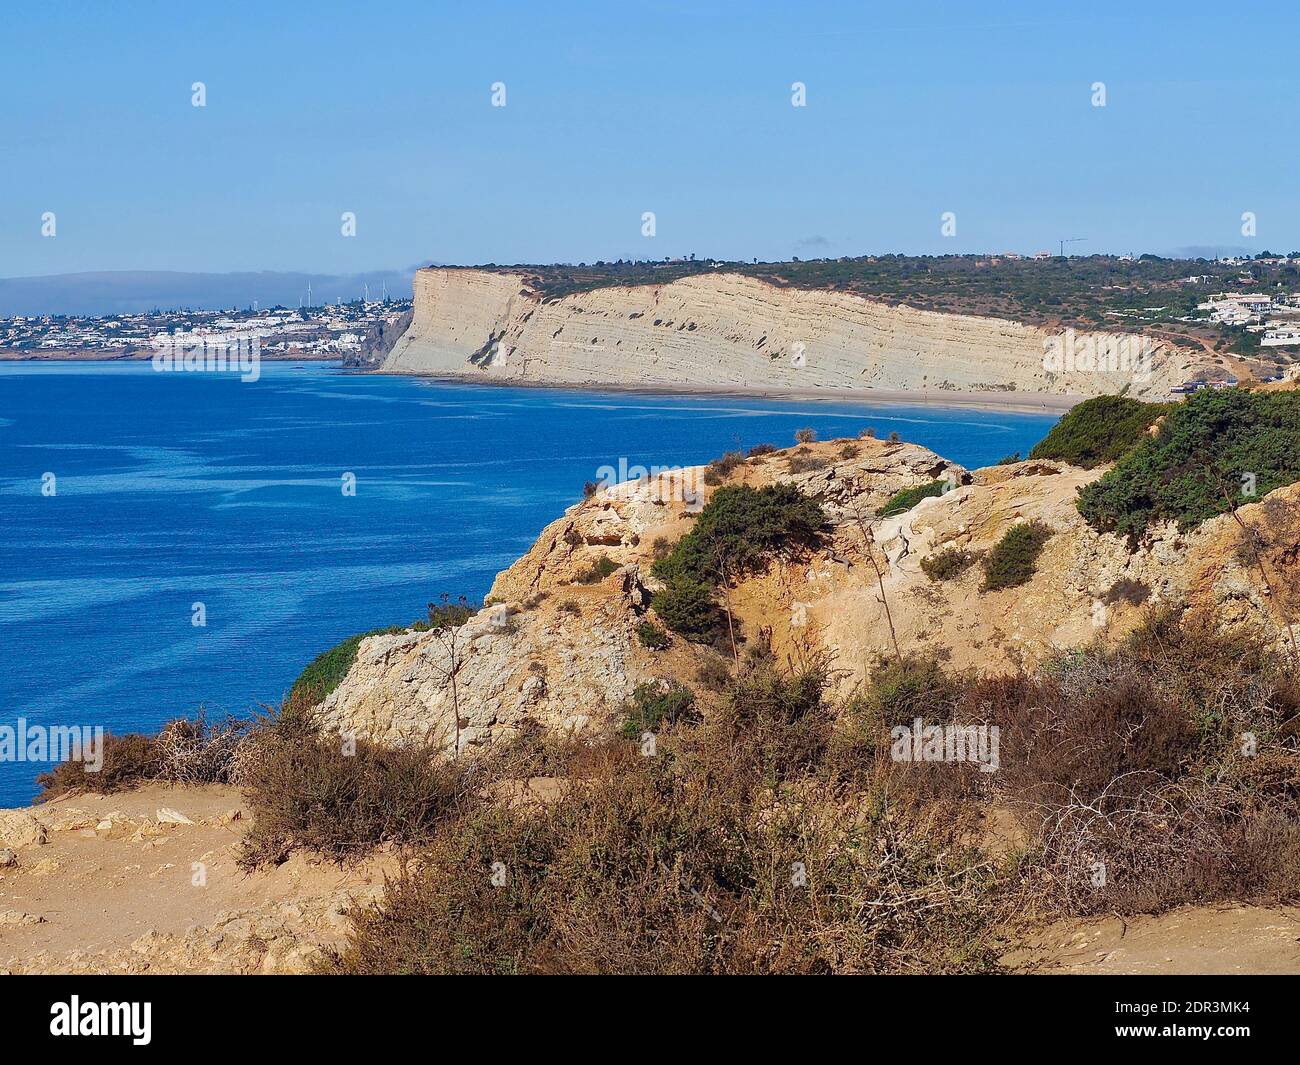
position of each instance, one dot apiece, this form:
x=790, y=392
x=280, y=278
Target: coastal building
x=1236, y=308
x=1280, y=337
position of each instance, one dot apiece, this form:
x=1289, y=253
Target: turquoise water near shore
x=178, y=489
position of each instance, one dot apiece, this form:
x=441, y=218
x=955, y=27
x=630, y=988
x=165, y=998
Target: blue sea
x=171, y=490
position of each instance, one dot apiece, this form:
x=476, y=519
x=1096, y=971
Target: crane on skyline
x=1069, y=240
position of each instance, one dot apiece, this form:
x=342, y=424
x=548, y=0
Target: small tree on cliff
x=858, y=515
x=446, y=619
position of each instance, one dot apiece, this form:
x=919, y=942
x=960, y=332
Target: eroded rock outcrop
x=555, y=661
x=558, y=646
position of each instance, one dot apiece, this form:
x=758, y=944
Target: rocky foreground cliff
x=728, y=331
x=560, y=648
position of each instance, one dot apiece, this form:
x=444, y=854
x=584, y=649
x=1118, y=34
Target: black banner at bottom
x=143, y=1014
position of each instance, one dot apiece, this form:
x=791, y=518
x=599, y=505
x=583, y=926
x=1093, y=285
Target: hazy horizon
x=139, y=291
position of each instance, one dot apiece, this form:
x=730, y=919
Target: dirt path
x=1187, y=941
x=116, y=887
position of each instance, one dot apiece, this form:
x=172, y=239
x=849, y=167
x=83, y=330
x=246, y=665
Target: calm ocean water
x=177, y=489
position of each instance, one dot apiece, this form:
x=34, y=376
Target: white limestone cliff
x=729, y=331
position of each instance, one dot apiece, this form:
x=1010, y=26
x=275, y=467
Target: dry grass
x=735, y=849
x=341, y=797
x=1164, y=773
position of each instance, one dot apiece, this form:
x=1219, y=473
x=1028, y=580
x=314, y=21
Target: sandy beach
x=1019, y=402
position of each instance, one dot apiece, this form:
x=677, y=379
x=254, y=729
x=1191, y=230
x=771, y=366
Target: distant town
x=344, y=331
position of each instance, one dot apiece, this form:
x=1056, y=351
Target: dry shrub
x=806, y=463
x=342, y=798
x=714, y=673
x=1143, y=848
x=186, y=751
x=638, y=875
x=1078, y=732
x=734, y=850
x=1131, y=769
x=900, y=691
x=129, y=760
x=717, y=471
x=778, y=836
x=201, y=752
x=774, y=723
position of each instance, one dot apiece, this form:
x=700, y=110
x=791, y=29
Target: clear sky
x=617, y=108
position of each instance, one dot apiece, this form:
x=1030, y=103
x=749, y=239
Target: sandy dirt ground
x=119, y=887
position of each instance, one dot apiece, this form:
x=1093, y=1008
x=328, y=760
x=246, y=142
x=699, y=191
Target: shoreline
x=1047, y=403
x=1012, y=402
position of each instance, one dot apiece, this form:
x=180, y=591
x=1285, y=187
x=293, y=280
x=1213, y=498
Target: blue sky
x=613, y=109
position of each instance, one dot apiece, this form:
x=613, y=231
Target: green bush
x=1014, y=558
x=1099, y=430
x=1205, y=453
x=906, y=688
x=688, y=609
x=652, y=707
x=597, y=571
x=652, y=636
x=901, y=502
x=736, y=534
x=740, y=528
x=326, y=671
x=947, y=564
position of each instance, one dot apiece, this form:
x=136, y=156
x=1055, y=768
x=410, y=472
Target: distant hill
x=131, y=291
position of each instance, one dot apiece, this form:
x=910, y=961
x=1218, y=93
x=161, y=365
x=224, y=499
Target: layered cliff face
x=727, y=331
x=560, y=649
